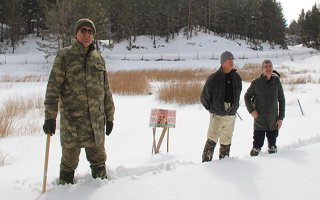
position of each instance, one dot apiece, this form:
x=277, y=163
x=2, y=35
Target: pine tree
x=31, y=13
x=2, y=19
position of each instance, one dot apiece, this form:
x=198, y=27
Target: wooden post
x=168, y=141
x=300, y=108
x=161, y=118
x=44, y=183
x=156, y=146
x=154, y=140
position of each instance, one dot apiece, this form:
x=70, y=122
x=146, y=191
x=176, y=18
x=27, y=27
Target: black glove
x=109, y=127
x=49, y=126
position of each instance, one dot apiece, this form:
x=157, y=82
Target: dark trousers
x=258, y=138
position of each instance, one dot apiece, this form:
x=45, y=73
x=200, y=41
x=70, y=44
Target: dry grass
x=137, y=82
x=250, y=71
x=17, y=107
x=181, y=93
x=181, y=75
x=297, y=80
x=23, y=78
x=129, y=82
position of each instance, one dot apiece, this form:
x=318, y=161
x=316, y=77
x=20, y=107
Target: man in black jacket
x=220, y=96
x=265, y=101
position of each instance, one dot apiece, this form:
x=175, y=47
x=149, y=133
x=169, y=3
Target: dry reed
x=17, y=107
x=137, y=82
x=181, y=93
x=23, y=78
x=129, y=82
x=178, y=75
x=250, y=71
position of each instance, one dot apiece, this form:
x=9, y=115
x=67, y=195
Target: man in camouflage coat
x=78, y=83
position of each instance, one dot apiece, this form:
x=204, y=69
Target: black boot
x=66, y=177
x=255, y=151
x=99, y=172
x=224, y=151
x=208, y=151
x=272, y=149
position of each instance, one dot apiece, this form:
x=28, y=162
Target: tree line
x=306, y=30
x=255, y=21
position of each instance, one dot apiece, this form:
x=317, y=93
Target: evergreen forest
x=255, y=21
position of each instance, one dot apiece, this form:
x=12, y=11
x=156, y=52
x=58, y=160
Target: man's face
x=228, y=65
x=85, y=36
x=267, y=69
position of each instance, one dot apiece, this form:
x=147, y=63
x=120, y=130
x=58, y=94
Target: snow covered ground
x=134, y=173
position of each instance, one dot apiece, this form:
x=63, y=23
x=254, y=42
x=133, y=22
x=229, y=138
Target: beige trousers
x=221, y=128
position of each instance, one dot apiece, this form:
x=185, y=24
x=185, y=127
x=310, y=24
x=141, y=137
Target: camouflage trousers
x=95, y=155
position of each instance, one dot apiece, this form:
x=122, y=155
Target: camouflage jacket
x=78, y=83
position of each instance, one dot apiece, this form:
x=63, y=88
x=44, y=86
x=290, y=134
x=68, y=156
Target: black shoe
x=208, y=151
x=254, y=151
x=272, y=149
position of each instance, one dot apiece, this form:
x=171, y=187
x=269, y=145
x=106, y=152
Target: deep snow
x=134, y=173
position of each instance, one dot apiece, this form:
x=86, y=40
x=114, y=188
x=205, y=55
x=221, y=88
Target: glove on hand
x=49, y=126
x=109, y=127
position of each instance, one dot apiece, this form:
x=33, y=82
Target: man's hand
x=49, y=126
x=254, y=114
x=109, y=127
x=279, y=123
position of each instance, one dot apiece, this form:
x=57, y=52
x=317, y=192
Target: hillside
x=134, y=173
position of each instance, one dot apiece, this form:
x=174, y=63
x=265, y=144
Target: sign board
x=162, y=118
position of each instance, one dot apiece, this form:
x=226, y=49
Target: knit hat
x=84, y=22
x=225, y=56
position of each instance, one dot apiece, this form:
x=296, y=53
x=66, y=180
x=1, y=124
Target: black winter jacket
x=212, y=96
x=269, y=102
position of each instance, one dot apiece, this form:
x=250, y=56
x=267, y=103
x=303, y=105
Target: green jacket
x=267, y=98
x=213, y=92
x=78, y=83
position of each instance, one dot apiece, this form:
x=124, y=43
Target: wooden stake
x=300, y=107
x=44, y=183
x=161, y=139
x=168, y=141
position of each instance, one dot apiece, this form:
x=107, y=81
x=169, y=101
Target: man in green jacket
x=78, y=83
x=265, y=101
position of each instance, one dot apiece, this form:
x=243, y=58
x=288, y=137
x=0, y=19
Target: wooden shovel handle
x=44, y=183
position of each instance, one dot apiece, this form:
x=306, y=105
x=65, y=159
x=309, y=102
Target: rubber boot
x=66, y=177
x=208, y=150
x=224, y=151
x=99, y=172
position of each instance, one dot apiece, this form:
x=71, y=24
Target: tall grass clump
x=129, y=82
x=23, y=78
x=181, y=93
x=137, y=82
x=182, y=86
x=250, y=71
x=16, y=108
x=180, y=75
